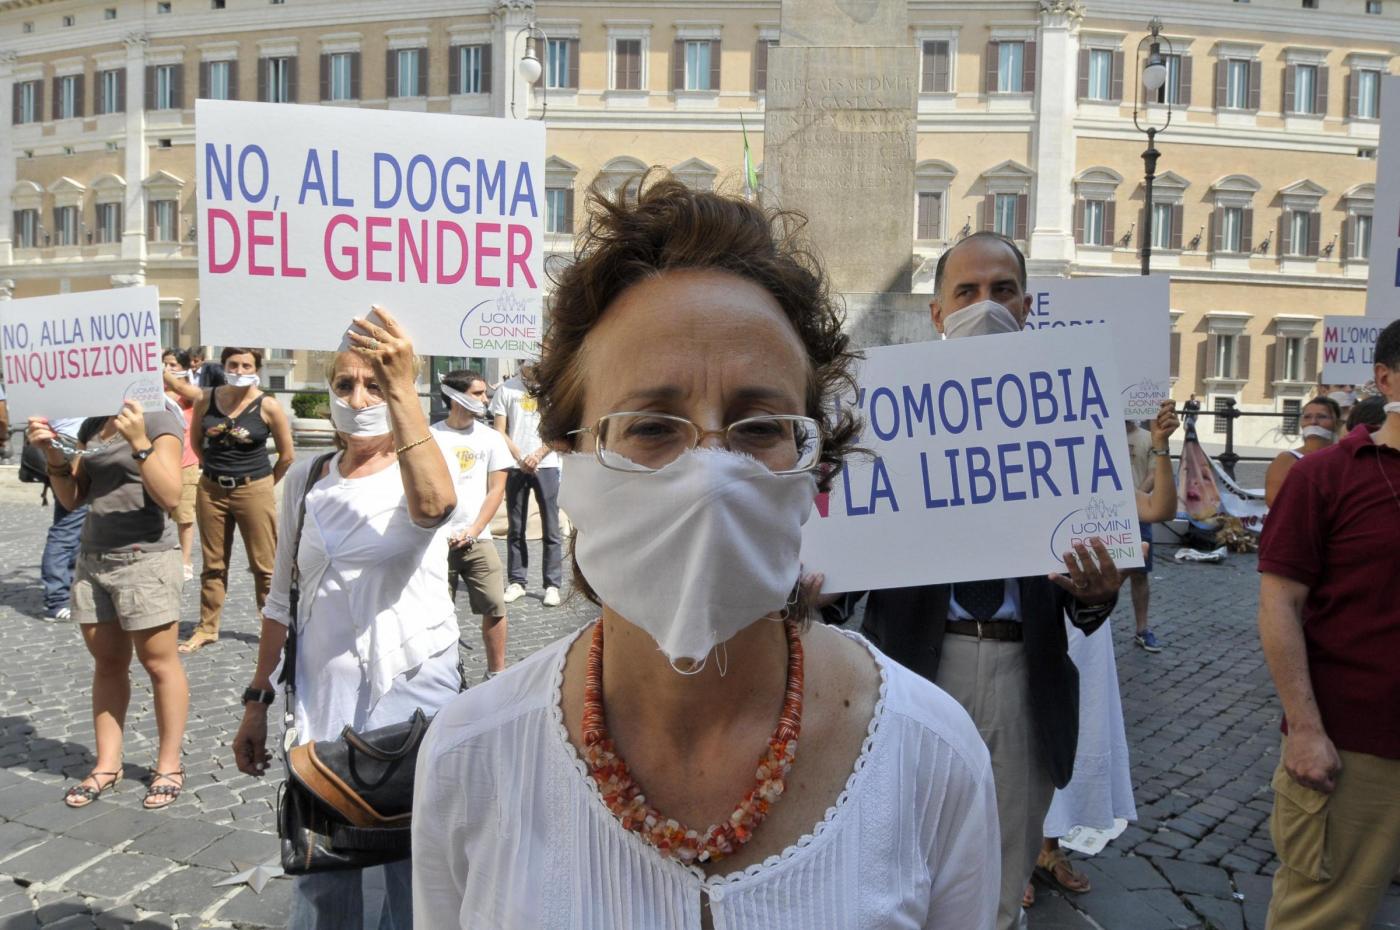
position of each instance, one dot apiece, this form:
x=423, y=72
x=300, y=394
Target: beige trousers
x=1339, y=851
x=988, y=678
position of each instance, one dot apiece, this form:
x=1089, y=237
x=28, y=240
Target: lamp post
x=1154, y=75
x=529, y=67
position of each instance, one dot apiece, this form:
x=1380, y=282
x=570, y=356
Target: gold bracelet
x=417, y=442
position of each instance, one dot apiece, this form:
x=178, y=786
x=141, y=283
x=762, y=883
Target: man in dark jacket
x=205, y=374
x=999, y=646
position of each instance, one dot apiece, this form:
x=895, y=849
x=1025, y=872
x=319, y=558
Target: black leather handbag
x=347, y=802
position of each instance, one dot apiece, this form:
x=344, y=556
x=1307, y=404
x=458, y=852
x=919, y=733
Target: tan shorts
x=139, y=590
x=480, y=567
x=189, y=490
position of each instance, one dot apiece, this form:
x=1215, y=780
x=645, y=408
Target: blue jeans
x=544, y=485
x=60, y=555
x=335, y=900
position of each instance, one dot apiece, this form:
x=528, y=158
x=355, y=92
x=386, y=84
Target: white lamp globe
x=529, y=68
x=1155, y=74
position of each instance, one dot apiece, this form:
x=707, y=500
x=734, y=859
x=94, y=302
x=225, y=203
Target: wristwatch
x=258, y=695
x=143, y=454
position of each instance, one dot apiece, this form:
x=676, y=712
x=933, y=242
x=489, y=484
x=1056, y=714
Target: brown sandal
x=164, y=795
x=81, y=795
x=1054, y=868
x=195, y=643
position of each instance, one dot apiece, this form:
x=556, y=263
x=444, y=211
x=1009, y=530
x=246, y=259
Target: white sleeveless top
x=510, y=832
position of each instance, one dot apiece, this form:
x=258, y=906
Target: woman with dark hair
x=646, y=771
x=1319, y=420
x=230, y=428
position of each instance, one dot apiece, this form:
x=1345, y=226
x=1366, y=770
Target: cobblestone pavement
x=1201, y=717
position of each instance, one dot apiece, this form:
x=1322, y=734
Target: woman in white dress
x=689, y=352
x=1102, y=787
x=376, y=629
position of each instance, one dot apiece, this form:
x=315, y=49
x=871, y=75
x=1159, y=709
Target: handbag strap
x=288, y=678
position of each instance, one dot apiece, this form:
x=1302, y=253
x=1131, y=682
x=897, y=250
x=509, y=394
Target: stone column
x=137, y=154
x=511, y=16
x=1052, y=235
x=7, y=161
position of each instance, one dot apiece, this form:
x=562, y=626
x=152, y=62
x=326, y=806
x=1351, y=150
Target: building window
x=1305, y=89
x=26, y=229
x=1100, y=74
x=27, y=102
x=936, y=77
x=1221, y=403
x=1294, y=350
x=277, y=78
x=760, y=64
x=220, y=80
x=627, y=64
x=164, y=221
x=109, y=13
x=1361, y=237
x=1237, y=84
x=557, y=69
x=1309, y=4
x=1292, y=410
x=1004, y=215
x=109, y=91
x=1095, y=222
x=1366, y=94
x=1162, y=232
x=1373, y=7
x=559, y=210
x=1232, y=229
x=70, y=97
x=163, y=7
x=929, y=212
x=339, y=76
x=1299, y=232
x=1224, y=358
x=216, y=4
x=408, y=72
x=165, y=87
x=170, y=331
x=1011, y=64
x=698, y=65
x=1171, y=91
x=471, y=70
x=65, y=225
x=68, y=20
x=109, y=223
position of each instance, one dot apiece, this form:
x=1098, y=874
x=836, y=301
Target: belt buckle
x=227, y=482
x=979, y=629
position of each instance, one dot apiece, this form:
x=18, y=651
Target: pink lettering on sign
x=484, y=251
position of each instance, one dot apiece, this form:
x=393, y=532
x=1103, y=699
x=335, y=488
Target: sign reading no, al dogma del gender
x=992, y=455
x=1136, y=309
x=80, y=355
x=308, y=215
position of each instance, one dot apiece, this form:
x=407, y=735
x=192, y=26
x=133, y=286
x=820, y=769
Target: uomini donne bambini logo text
x=502, y=324
x=1102, y=520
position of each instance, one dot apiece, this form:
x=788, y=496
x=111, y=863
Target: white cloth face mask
x=465, y=401
x=243, y=381
x=1321, y=432
x=980, y=319
x=367, y=421
x=1393, y=407
x=694, y=553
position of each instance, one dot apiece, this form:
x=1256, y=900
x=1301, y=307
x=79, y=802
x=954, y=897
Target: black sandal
x=81, y=795
x=164, y=795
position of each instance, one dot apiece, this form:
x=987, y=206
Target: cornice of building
x=1238, y=19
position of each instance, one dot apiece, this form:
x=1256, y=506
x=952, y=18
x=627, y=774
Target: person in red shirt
x=1329, y=621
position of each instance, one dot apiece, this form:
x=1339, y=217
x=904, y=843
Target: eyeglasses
x=647, y=442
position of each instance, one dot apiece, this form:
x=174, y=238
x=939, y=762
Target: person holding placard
x=689, y=355
x=1319, y=420
x=126, y=594
x=231, y=426
x=1329, y=623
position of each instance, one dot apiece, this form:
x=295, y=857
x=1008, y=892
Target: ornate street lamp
x=529, y=67
x=1154, y=76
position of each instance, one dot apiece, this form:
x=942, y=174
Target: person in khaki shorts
x=1329, y=620
x=126, y=594
x=479, y=457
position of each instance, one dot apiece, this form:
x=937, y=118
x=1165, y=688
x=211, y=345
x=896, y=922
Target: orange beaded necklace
x=623, y=796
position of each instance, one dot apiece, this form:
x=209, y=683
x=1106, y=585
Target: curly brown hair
x=655, y=224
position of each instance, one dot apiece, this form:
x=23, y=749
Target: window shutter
x=1320, y=93
x=38, y=101
x=150, y=87
x=391, y=74
x=1273, y=365
x=57, y=99
x=760, y=66
x=292, y=70
x=1217, y=231
x=325, y=77
x=989, y=212
x=354, y=76
x=1347, y=234
x=1022, y=203
x=678, y=65
x=1084, y=56
x=1315, y=234
x=1247, y=231
x=121, y=90
x=1285, y=233
x=1310, y=372
x=150, y=221
x=1110, y=218
x=714, y=65
x=1080, y=206
x=203, y=80
x=1242, y=357
x=1222, y=80
x=14, y=112
x=990, y=70
x=232, y=81
x=1353, y=94
x=263, y=65
x=177, y=87
x=569, y=210
x=1174, y=362
x=454, y=69
x=1178, y=221
x=1212, y=351
x=923, y=209
x=942, y=68
x=422, y=89
x=79, y=92
x=1184, y=81
x=1256, y=81
x=1116, y=93
x=1028, y=67
x=1290, y=100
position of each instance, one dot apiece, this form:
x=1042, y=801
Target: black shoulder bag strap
x=288, y=678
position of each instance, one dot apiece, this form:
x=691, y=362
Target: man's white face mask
x=980, y=319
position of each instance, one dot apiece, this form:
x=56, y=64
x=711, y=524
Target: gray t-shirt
x=121, y=515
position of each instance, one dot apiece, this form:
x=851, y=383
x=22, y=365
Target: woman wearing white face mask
x=229, y=431
x=1318, y=422
x=699, y=756
x=375, y=628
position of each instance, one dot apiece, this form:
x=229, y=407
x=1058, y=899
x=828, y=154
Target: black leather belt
x=1005, y=630
x=230, y=482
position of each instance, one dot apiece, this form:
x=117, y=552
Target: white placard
x=81, y=355
x=992, y=454
x=1349, y=348
x=1383, y=285
x=308, y=215
x=1137, y=311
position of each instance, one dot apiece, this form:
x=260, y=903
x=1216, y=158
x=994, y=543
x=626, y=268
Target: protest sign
x=1383, y=285
x=1349, y=347
x=992, y=455
x=1137, y=311
x=79, y=355
x=308, y=215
